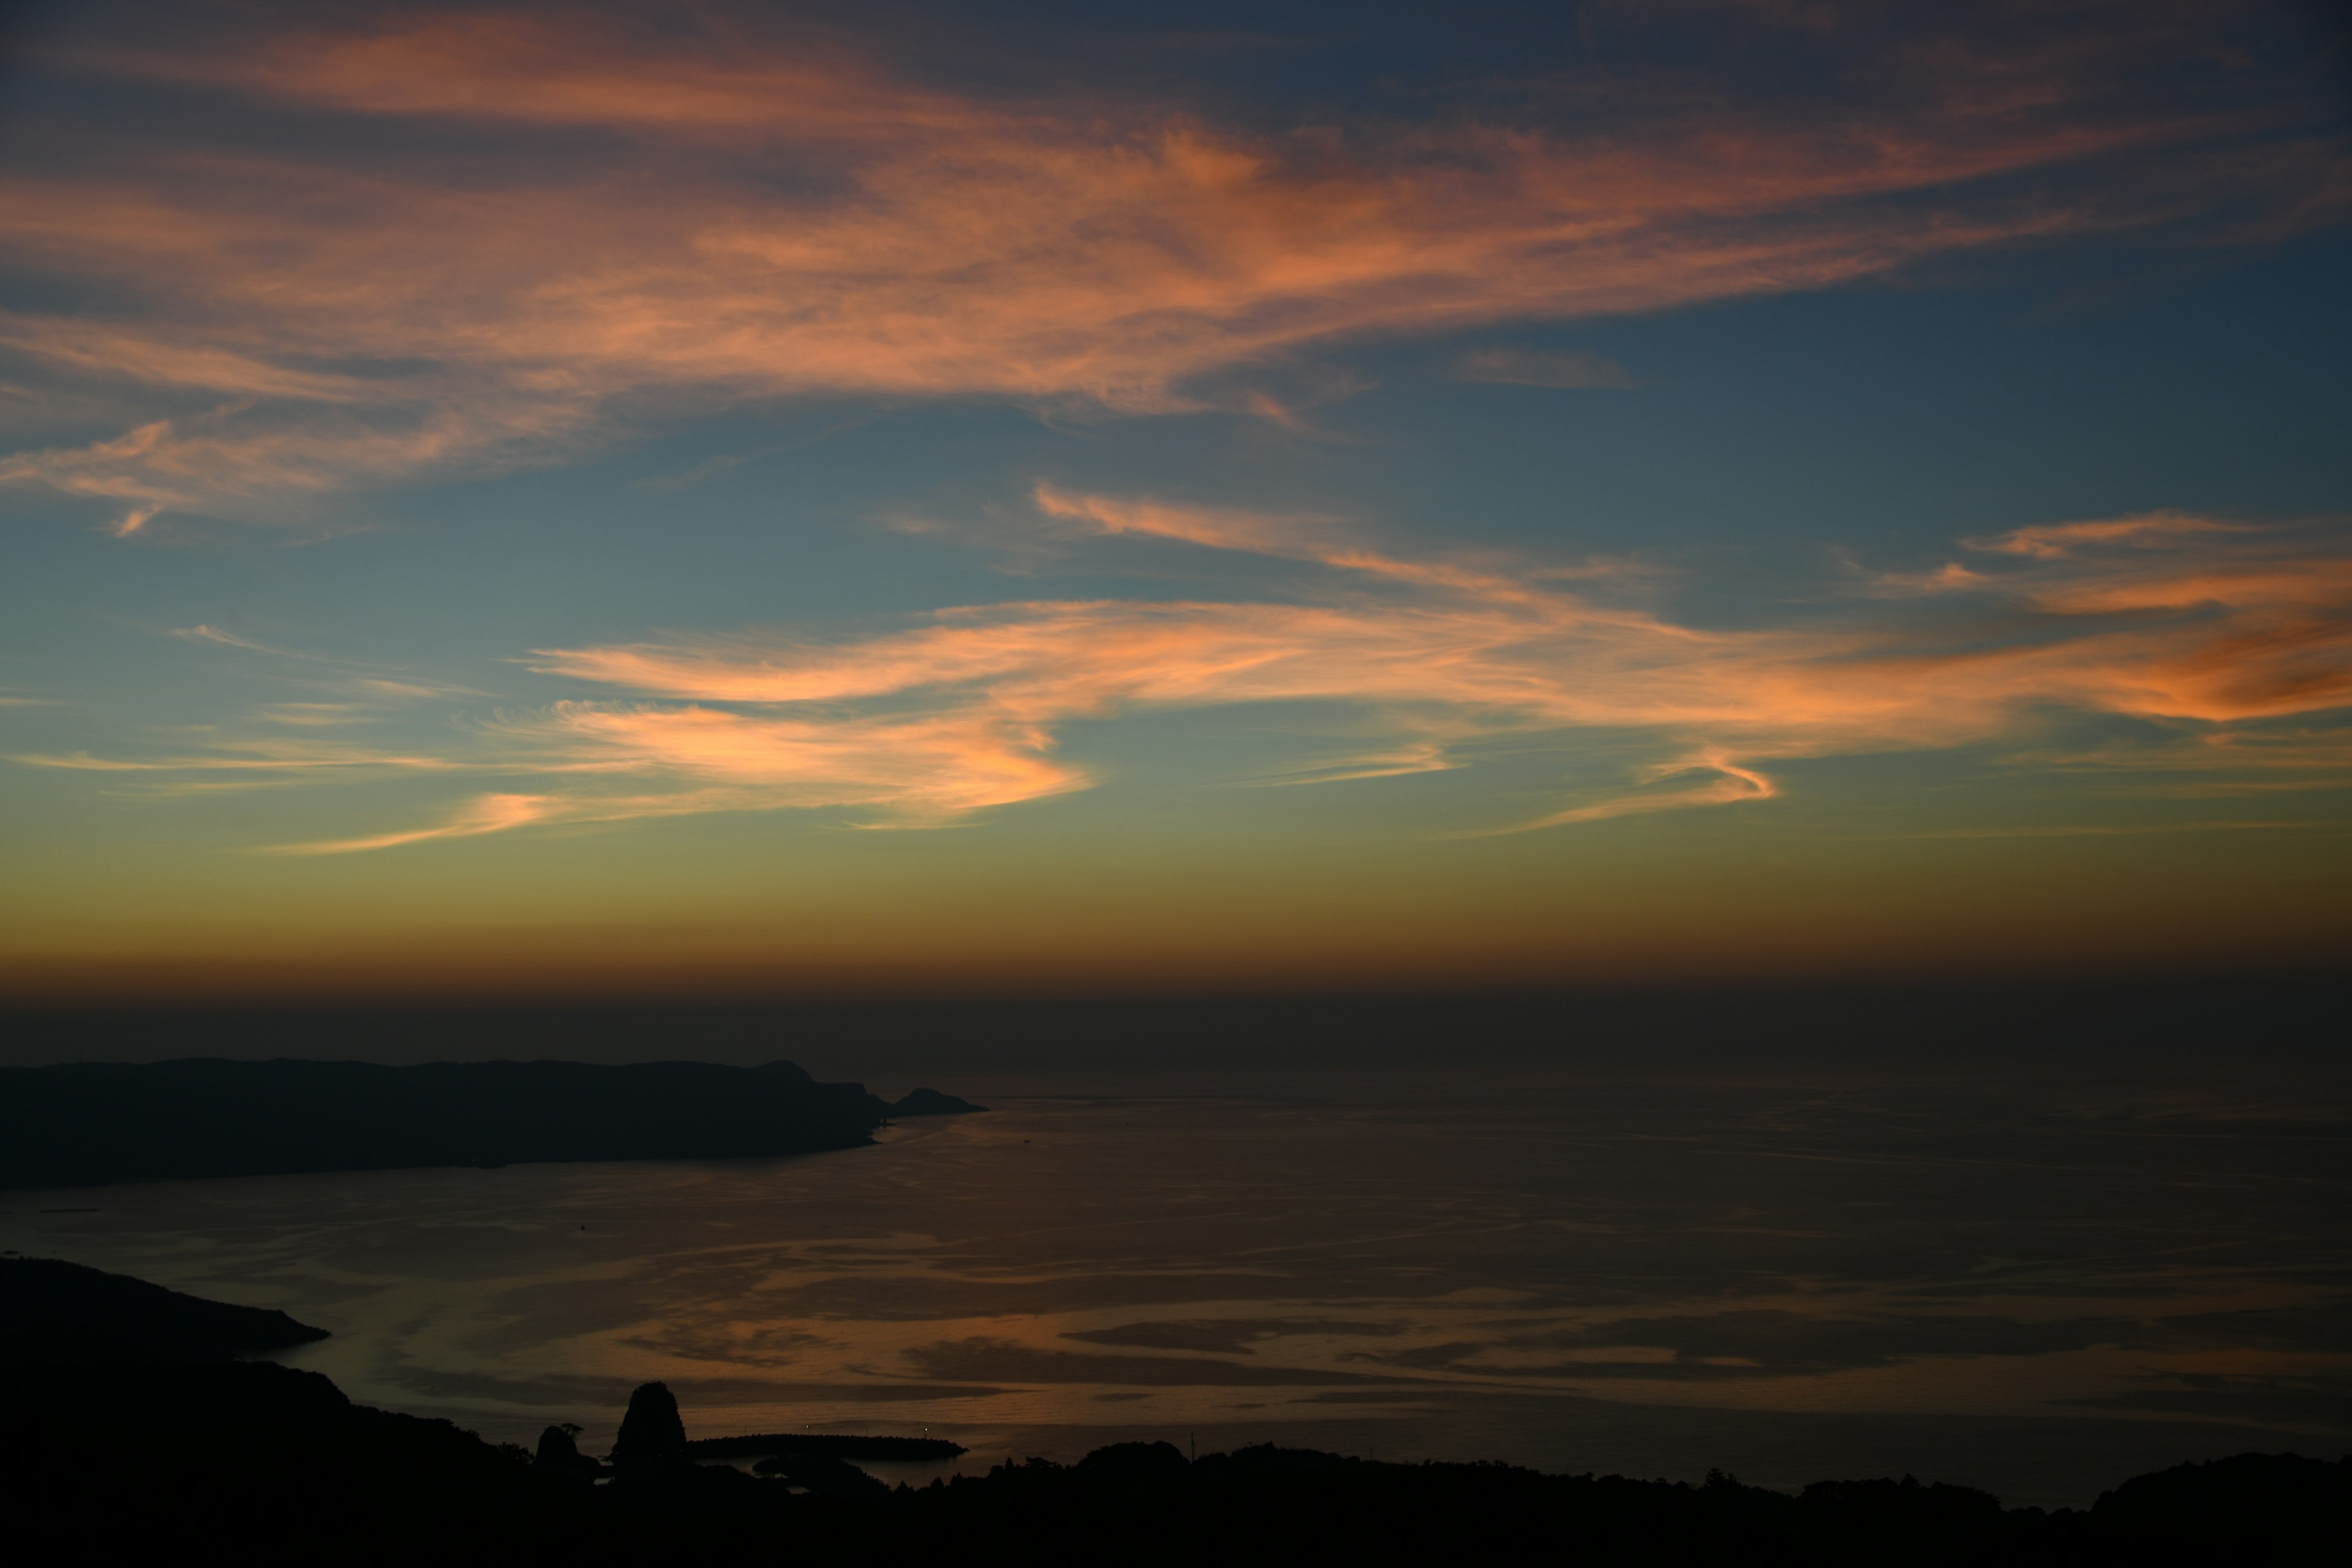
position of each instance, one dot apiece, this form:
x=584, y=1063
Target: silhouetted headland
x=51, y=1310
x=125, y=1452
x=89, y=1123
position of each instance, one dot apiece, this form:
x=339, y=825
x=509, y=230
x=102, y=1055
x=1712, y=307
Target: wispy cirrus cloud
x=267, y=466
x=265, y=754
x=2056, y=540
x=485, y=814
x=358, y=688
x=1730, y=784
x=966, y=709
x=1301, y=535
x=224, y=639
x=764, y=217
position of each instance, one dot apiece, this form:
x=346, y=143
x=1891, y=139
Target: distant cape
x=54, y=1310
x=85, y=1124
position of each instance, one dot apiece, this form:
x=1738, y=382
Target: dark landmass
x=55, y=1310
x=277, y=1466
x=128, y=1452
x=2135, y=1013
x=822, y=1477
x=830, y=1444
x=89, y=1123
x=559, y=1452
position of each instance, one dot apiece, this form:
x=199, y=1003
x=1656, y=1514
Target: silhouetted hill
x=51, y=1310
x=251, y=1462
x=123, y=1457
x=2213, y=1508
x=269, y=1465
x=89, y=1123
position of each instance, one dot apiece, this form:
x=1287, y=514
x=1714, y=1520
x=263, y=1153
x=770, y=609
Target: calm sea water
x=2034, y=1282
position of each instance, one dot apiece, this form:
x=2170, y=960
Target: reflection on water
x=2032, y=1286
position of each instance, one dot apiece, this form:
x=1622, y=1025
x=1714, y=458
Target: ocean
x=2039, y=1280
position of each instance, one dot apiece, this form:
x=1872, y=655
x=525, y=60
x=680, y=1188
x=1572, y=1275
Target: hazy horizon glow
x=510, y=499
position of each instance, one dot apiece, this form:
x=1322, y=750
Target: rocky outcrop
x=653, y=1437
x=558, y=1454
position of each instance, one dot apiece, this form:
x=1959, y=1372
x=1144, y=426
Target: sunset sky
x=856, y=498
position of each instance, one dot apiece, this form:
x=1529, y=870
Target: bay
x=2036, y=1281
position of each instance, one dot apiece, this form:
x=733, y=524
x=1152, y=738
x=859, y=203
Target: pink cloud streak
x=2216, y=627
x=781, y=221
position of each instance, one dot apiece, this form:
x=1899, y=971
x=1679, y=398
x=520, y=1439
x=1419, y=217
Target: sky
x=887, y=499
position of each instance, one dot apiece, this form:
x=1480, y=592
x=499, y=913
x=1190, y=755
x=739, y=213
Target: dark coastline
x=1800, y=1020
x=2070, y=1186
x=87, y=1124
x=137, y=1457
x=116, y=1444
x=54, y=1310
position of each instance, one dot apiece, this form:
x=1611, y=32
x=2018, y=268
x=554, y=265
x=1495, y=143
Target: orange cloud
x=249, y=756
x=939, y=764
x=486, y=814
x=262, y=469
x=1951, y=577
x=965, y=711
x=2050, y=542
x=1732, y=783
x=772, y=219
x=1219, y=528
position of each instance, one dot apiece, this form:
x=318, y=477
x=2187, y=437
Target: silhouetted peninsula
x=51, y=1310
x=85, y=1124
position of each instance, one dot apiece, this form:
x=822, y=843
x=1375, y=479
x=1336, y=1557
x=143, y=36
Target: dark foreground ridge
x=90, y=1123
x=122, y=1453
